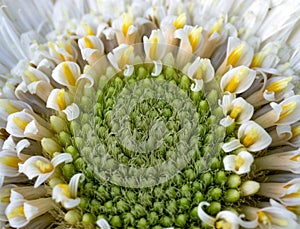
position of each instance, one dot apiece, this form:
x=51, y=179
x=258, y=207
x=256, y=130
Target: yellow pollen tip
x=295, y=209
x=31, y=76
x=10, y=161
x=88, y=43
x=258, y=59
x=222, y=224
x=279, y=85
x=87, y=28
x=66, y=190
x=235, y=55
x=216, y=28
x=68, y=73
x=44, y=167
x=153, y=47
x=8, y=107
x=126, y=56
x=20, y=123
x=293, y=195
x=295, y=131
x=264, y=218
x=296, y=158
x=239, y=162
x=127, y=22
x=16, y=212
x=235, y=80
x=194, y=37
x=287, y=109
x=235, y=112
x=60, y=99
x=180, y=21
x=250, y=138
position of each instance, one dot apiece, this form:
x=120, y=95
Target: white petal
x=73, y=184
x=103, y=224
x=87, y=77
x=205, y=217
x=72, y=112
x=157, y=68
x=232, y=145
x=66, y=73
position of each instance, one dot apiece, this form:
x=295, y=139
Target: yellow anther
x=60, y=99
x=250, y=137
x=153, y=47
x=68, y=73
x=239, y=162
x=222, y=224
x=4, y=199
x=293, y=195
x=87, y=28
x=125, y=57
x=295, y=131
x=235, y=80
x=287, y=109
x=235, y=112
x=295, y=209
x=69, y=47
x=258, y=59
x=279, y=85
x=10, y=161
x=296, y=158
x=194, y=37
x=180, y=21
x=44, y=167
x=127, y=22
x=235, y=55
x=263, y=218
x=52, y=47
x=20, y=123
x=16, y=212
x=31, y=76
x=216, y=28
x=88, y=43
x=8, y=107
x=66, y=190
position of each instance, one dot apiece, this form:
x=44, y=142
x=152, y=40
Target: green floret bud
x=64, y=138
x=232, y=195
x=116, y=221
x=166, y=221
x=73, y=217
x=220, y=177
x=185, y=191
x=68, y=170
x=142, y=72
x=181, y=220
x=214, y=208
x=215, y=193
x=194, y=213
x=158, y=207
x=58, y=124
x=139, y=210
x=234, y=181
x=198, y=197
x=128, y=219
x=88, y=220
x=73, y=151
x=84, y=201
x=203, y=106
x=215, y=163
x=212, y=97
x=80, y=164
x=153, y=218
x=142, y=223
x=207, y=178
x=172, y=206
x=122, y=206
x=184, y=203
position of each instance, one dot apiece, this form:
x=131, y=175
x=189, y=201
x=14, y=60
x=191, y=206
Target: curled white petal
x=72, y=112
x=103, y=224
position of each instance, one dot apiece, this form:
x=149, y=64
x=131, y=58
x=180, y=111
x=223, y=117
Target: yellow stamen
x=44, y=167
x=127, y=22
x=295, y=209
x=264, y=218
x=4, y=199
x=194, y=37
x=8, y=107
x=222, y=224
x=88, y=43
x=20, y=123
x=66, y=190
x=293, y=195
x=16, y=212
x=239, y=162
x=235, y=80
x=235, y=112
x=153, y=47
x=31, y=76
x=279, y=85
x=10, y=161
x=60, y=99
x=296, y=131
x=51, y=46
x=87, y=28
x=216, y=28
x=180, y=21
x=250, y=137
x=125, y=57
x=235, y=55
x=287, y=109
x=296, y=158
x=68, y=73
x=259, y=58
